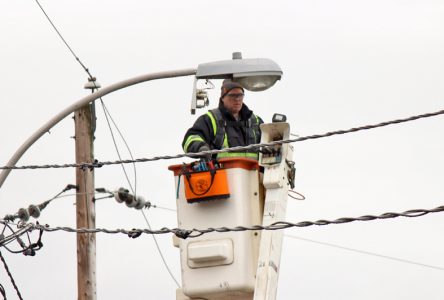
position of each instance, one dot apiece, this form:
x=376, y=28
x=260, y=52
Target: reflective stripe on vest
x=238, y=154
x=254, y=131
x=220, y=140
x=190, y=139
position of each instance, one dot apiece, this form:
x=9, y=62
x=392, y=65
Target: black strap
x=188, y=176
x=252, y=130
x=250, y=126
x=218, y=140
x=240, y=124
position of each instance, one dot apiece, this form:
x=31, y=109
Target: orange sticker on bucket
x=206, y=185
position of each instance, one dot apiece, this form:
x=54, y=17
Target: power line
x=27, y=250
x=98, y=164
x=64, y=41
x=15, y=234
x=366, y=252
x=3, y=292
x=35, y=210
x=160, y=252
x=107, y=113
x=160, y=207
x=10, y=276
x=185, y=233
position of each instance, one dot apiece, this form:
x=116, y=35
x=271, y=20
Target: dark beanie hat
x=227, y=86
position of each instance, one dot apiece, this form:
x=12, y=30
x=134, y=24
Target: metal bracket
x=291, y=174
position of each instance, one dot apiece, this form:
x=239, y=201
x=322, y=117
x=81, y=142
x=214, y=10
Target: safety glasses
x=239, y=96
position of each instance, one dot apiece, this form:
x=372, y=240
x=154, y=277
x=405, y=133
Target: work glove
x=205, y=148
x=267, y=150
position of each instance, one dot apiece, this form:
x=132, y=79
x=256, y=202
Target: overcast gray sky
x=345, y=63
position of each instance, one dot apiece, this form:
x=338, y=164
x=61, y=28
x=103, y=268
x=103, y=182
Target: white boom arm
x=276, y=170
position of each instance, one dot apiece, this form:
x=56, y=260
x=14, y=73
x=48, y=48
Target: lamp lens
x=257, y=83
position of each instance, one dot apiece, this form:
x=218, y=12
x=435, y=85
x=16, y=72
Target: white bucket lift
x=279, y=172
x=234, y=265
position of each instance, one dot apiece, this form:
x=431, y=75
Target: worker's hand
x=267, y=150
x=205, y=148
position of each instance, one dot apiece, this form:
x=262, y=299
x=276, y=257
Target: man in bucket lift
x=231, y=124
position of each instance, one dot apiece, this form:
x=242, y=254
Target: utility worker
x=231, y=124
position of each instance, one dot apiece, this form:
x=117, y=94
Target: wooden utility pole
x=86, y=214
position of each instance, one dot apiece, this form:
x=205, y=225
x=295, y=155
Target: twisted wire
x=2, y=291
x=98, y=164
x=10, y=276
x=15, y=234
x=393, y=258
x=185, y=233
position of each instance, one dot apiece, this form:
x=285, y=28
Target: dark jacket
x=236, y=131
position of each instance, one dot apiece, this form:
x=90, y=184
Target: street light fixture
x=254, y=74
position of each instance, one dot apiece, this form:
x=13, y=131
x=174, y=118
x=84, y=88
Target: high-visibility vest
x=221, y=139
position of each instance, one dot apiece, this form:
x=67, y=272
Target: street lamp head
x=254, y=74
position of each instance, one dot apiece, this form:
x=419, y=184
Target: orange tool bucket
x=210, y=184
x=206, y=185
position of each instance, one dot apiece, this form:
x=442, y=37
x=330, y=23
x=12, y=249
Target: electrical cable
x=64, y=41
x=160, y=252
x=366, y=252
x=190, y=233
x=299, y=196
x=44, y=204
x=9, y=239
x=3, y=230
x=106, y=112
x=67, y=188
x=231, y=149
x=15, y=234
x=2, y=291
x=105, y=197
x=29, y=250
x=161, y=207
x=76, y=194
x=90, y=76
x=26, y=250
x=10, y=276
x=106, y=115
x=13, y=251
x=58, y=196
